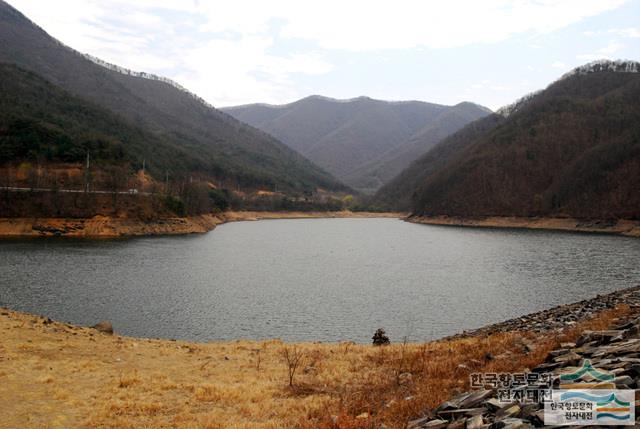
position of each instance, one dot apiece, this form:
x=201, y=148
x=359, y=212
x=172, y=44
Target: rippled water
x=312, y=279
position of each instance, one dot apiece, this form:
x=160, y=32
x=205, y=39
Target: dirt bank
x=104, y=226
x=622, y=227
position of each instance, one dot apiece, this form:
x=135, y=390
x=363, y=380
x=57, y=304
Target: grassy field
x=55, y=375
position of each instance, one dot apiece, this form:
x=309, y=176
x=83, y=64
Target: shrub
x=175, y=205
x=220, y=198
x=380, y=337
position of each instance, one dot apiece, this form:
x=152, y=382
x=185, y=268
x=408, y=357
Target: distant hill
x=180, y=132
x=572, y=149
x=381, y=170
x=363, y=142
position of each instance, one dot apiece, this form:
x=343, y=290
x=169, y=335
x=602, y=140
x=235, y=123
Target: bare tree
x=293, y=358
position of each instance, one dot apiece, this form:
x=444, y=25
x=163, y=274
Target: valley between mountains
x=404, y=246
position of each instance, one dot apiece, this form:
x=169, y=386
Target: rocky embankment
x=614, y=353
x=629, y=228
x=106, y=227
x=562, y=316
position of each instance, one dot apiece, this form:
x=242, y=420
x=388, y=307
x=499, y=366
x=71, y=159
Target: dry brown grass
x=60, y=376
x=401, y=381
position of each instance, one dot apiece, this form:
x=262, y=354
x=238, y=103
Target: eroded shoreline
x=111, y=227
x=630, y=228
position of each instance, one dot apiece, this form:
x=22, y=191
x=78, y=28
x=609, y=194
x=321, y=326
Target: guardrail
x=73, y=191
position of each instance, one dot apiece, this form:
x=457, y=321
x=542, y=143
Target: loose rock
x=105, y=326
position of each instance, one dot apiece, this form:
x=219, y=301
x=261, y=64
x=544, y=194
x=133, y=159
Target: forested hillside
x=42, y=123
x=570, y=150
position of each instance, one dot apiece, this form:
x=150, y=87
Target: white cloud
x=150, y=36
x=611, y=48
x=605, y=53
x=226, y=51
x=631, y=33
x=373, y=25
x=559, y=65
x=230, y=71
x=361, y=25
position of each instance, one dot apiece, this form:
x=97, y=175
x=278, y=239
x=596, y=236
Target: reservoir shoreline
x=629, y=228
x=113, y=227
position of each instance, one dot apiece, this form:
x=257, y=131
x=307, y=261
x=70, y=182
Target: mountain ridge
x=355, y=138
x=344, y=100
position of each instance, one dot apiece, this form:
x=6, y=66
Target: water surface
x=312, y=279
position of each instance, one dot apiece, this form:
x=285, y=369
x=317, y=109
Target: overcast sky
x=234, y=52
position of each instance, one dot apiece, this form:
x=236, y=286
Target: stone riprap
x=560, y=317
x=614, y=354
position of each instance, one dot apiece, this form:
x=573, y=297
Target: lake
x=312, y=279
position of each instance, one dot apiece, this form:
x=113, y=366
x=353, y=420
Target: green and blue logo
x=587, y=368
x=607, y=406
x=587, y=407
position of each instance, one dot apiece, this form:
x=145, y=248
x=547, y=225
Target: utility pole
x=86, y=173
x=166, y=182
x=144, y=161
